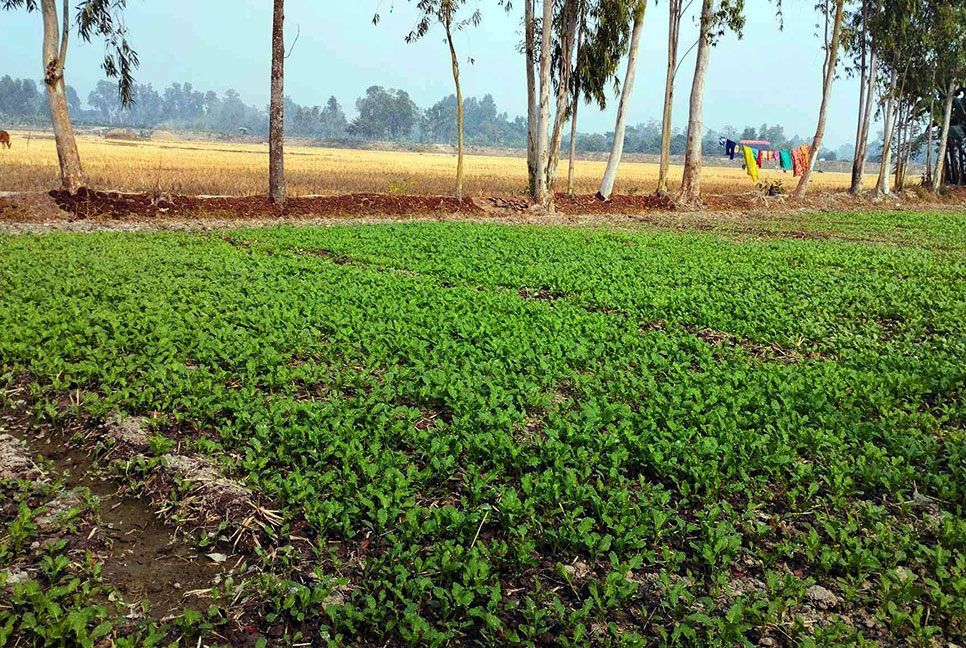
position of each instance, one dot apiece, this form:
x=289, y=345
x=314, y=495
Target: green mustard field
x=454, y=434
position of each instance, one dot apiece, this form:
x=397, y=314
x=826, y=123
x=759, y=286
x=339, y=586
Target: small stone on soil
x=15, y=461
x=130, y=431
x=822, y=596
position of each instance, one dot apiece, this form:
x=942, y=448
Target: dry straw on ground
x=233, y=168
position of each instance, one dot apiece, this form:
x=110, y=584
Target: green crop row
x=517, y=436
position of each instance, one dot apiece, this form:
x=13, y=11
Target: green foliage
x=506, y=436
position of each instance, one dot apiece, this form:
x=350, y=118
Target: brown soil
x=99, y=204
x=589, y=204
x=141, y=557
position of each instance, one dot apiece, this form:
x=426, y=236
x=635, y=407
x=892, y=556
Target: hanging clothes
x=800, y=159
x=751, y=164
x=761, y=158
x=806, y=154
x=776, y=156
x=798, y=166
x=786, y=160
x=730, y=149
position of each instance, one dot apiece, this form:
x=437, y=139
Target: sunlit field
x=232, y=168
x=472, y=434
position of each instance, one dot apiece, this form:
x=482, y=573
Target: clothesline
x=795, y=160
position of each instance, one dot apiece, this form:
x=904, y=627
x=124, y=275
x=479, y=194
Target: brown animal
x=4, y=138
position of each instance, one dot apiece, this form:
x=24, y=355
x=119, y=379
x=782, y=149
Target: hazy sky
x=769, y=76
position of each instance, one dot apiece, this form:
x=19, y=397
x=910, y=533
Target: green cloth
x=786, y=159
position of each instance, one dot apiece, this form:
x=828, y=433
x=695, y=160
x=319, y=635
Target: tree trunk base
x=688, y=202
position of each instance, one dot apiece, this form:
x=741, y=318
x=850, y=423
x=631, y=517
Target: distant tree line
x=384, y=114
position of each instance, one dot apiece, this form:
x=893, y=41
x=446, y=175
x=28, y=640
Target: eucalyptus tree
x=833, y=34
x=717, y=16
x=533, y=106
x=897, y=30
x=444, y=13
x=602, y=42
x=637, y=10
x=276, y=109
x=567, y=25
x=676, y=10
x=950, y=39
x=93, y=18
x=866, y=48
x=542, y=196
x=575, y=94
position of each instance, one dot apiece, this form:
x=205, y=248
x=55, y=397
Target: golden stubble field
x=233, y=168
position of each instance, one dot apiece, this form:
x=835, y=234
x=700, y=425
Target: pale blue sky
x=770, y=76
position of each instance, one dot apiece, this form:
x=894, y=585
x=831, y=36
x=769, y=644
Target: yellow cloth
x=751, y=164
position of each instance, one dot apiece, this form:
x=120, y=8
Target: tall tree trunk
x=900, y=133
x=573, y=116
x=55, y=56
x=673, y=34
x=944, y=136
x=863, y=97
x=910, y=133
x=862, y=146
x=563, y=93
x=830, y=64
x=543, y=123
x=691, y=182
x=276, y=111
x=932, y=110
x=529, y=44
x=459, y=108
x=617, y=149
x=882, y=184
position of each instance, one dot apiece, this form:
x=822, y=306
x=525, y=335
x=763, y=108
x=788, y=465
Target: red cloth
x=800, y=159
x=761, y=158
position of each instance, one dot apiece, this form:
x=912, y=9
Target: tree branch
x=297, y=34
x=681, y=60
x=62, y=57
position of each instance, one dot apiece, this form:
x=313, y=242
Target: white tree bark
x=937, y=178
x=882, y=184
x=617, y=149
x=55, y=56
x=862, y=146
x=276, y=111
x=673, y=35
x=691, y=182
x=459, y=107
x=543, y=123
x=865, y=98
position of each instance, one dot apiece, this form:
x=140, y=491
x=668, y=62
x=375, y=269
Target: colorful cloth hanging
x=761, y=157
x=751, y=164
x=800, y=159
x=730, y=146
x=786, y=160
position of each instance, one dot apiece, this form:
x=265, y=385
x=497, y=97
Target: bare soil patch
x=141, y=557
x=100, y=204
